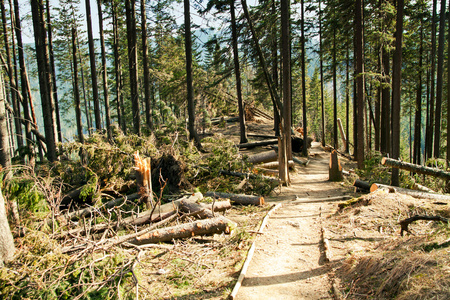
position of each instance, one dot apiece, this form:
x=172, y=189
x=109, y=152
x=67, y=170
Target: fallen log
x=412, y=193
x=274, y=165
x=205, y=209
x=238, y=198
x=247, y=175
x=423, y=188
x=263, y=136
x=300, y=162
x=198, y=228
x=415, y=168
x=362, y=185
x=263, y=157
x=404, y=223
x=258, y=144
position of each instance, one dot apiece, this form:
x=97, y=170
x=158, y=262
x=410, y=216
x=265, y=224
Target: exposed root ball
x=168, y=169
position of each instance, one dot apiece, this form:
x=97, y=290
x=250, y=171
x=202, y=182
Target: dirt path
x=289, y=261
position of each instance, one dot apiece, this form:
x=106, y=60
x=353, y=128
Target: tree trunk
x=95, y=97
x=238, y=198
x=439, y=82
x=321, y=76
x=305, y=119
x=385, y=124
x=413, y=193
x=347, y=100
x=276, y=117
x=335, y=168
x=197, y=228
x=270, y=86
x=147, y=85
x=448, y=95
x=5, y=156
x=284, y=144
x=335, y=126
x=396, y=90
x=237, y=72
x=45, y=82
x=418, y=112
x=12, y=83
x=258, y=144
x=263, y=157
x=190, y=90
x=53, y=72
x=415, y=168
x=359, y=69
x=133, y=64
x=117, y=70
x=430, y=116
x=76, y=92
x=6, y=239
x=104, y=71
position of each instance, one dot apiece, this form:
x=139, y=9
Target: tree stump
x=335, y=170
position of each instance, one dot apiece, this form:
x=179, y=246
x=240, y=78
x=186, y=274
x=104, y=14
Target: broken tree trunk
x=415, y=168
x=263, y=157
x=341, y=130
x=404, y=223
x=258, y=144
x=335, y=170
x=202, y=227
x=412, y=193
x=144, y=178
x=238, y=198
x=263, y=136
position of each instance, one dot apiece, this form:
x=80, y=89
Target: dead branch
x=404, y=223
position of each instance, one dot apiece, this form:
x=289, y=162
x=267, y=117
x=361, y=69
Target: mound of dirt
x=379, y=263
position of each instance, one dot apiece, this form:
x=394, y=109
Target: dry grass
x=382, y=265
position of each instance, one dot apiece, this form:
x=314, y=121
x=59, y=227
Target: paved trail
x=289, y=261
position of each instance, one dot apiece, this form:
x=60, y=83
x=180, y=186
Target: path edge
x=250, y=253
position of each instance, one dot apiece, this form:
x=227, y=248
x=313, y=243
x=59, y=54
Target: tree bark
x=359, y=69
x=5, y=155
x=104, y=71
x=147, y=85
x=322, y=101
x=23, y=78
x=14, y=96
x=189, y=87
x=95, y=97
x=76, y=91
x=238, y=198
x=53, y=72
x=335, y=168
x=430, y=115
x=396, y=90
x=305, y=119
x=413, y=193
x=201, y=227
x=6, y=239
x=117, y=69
x=439, y=82
x=258, y=144
x=263, y=157
x=133, y=64
x=237, y=73
x=45, y=81
x=415, y=168
x=418, y=112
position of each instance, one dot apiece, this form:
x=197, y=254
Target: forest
x=112, y=109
